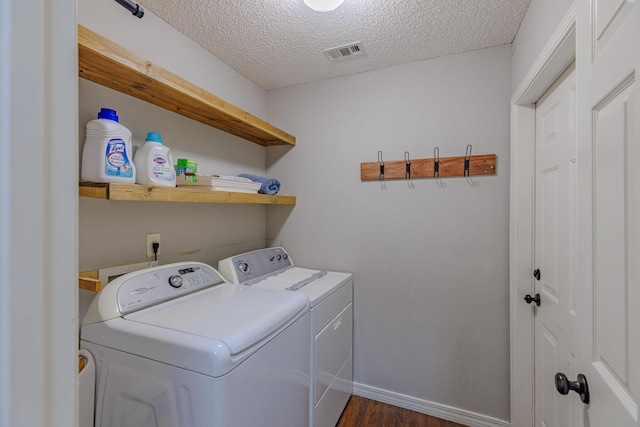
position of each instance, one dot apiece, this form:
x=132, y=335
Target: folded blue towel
x=269, y=185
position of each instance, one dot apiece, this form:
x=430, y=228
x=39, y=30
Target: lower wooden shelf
x=151, y=193
x=88, y=280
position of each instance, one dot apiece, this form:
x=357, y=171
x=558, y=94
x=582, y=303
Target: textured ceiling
x=279, y=43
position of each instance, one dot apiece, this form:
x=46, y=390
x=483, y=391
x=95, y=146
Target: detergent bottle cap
x=154, y=137
x=106, y=113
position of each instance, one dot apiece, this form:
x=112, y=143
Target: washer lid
x=236, y=315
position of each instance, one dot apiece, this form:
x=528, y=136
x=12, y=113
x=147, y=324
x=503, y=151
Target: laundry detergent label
x=116, y=161
x=161, y=169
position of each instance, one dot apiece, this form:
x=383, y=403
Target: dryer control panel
x=250, y=266
x=150, y=286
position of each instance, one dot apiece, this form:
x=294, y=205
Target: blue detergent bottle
x=106, y=155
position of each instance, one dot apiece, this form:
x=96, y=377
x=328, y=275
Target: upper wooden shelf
x=151, y=193
x=106, y=63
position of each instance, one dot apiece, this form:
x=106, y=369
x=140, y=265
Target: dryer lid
x=236, y=315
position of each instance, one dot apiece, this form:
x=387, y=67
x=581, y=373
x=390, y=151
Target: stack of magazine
x=218, y=183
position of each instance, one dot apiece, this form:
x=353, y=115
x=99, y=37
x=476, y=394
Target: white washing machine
x=331, y=299
x=177, y=346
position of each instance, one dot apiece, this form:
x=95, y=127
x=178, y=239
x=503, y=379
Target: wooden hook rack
x=483, y=164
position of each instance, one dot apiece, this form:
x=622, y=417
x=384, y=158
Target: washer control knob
x=175, y=281
x=279, y=257
x=243, y=267
x=285, y=256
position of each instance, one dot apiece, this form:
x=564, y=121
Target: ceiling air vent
x=347, y=51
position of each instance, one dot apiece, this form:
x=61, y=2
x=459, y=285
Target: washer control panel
x=151, y=286
x=253, y=265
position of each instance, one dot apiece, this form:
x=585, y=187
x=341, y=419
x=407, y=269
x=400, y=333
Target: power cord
x=155, y=246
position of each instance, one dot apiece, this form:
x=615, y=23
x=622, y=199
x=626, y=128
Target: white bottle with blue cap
x=154, y=164
x=106, y=156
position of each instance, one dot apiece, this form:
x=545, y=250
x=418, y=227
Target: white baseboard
x=444, y=412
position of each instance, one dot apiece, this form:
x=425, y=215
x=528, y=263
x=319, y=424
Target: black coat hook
x=436, y=162
x=407, y=170
x=381, y=175
x=467, y=160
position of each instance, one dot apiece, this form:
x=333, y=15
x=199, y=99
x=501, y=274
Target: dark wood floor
x=361, y=412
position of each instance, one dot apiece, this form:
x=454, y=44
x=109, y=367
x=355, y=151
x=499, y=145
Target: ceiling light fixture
x=323, y=5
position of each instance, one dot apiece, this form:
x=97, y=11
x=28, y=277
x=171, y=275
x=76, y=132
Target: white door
x=608, y=206
x=554, y=277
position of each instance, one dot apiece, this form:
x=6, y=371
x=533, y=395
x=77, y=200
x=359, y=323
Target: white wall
x=430, y=263
x=113, y=233
x=541, y=20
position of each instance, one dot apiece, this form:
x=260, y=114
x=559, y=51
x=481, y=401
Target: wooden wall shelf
x=88, y=280
x=151, y=193
x=104, y=62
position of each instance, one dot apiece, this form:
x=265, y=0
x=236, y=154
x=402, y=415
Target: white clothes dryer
x=177, y=346
x=331, y=337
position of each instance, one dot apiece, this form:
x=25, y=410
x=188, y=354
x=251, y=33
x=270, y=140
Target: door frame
x=38, y=213
x=558, y=53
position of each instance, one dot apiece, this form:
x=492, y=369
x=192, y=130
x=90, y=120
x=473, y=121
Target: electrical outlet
x=151, y=239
